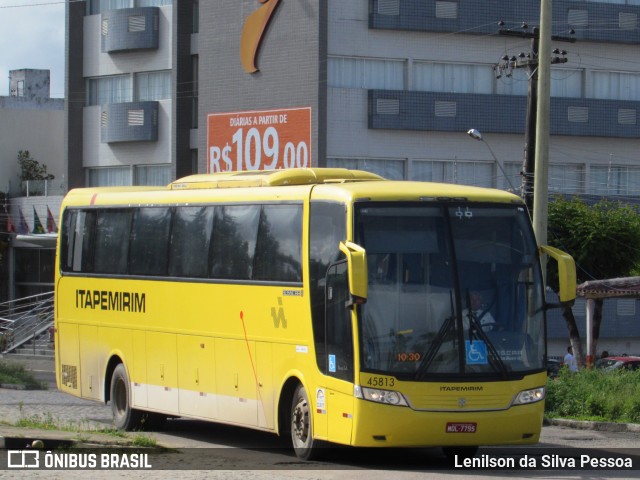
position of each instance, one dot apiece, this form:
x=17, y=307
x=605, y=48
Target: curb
x=589, y=425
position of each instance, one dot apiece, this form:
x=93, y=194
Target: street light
x=475, y=134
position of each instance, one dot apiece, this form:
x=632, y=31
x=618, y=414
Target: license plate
x=461, y=427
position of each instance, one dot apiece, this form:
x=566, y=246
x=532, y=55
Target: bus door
x=339, y=355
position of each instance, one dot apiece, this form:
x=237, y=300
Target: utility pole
x=531, y=62
x=541, y=167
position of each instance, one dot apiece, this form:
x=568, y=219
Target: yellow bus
x=325, y=305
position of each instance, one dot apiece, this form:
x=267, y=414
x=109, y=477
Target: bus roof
x=327, y=184
x=273, y=178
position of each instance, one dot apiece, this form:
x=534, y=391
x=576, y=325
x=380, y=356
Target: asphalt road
x=200, y=449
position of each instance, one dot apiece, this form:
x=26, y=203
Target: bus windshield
x=454, y=289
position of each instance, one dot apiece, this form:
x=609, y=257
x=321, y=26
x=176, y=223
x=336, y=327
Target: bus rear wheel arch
x=124, y=416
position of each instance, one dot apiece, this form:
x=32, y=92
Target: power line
x=43, y=4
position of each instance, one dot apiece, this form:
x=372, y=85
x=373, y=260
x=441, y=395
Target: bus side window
x=190, y=242
x=77, y=241
x=234, y=241
x=278, y=254
x=149, y=241
x=111, y=246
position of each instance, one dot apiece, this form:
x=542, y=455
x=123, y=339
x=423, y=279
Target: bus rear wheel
x=124, y=417
x=305, y=447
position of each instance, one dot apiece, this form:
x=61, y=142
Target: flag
x=37, y=224
x=23, y=228
x=11, y=228
x=51, y=223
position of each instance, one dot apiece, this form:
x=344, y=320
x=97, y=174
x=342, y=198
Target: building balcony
x=481, y=18
x=129, y=122
x=130, y=29
x=457, y=112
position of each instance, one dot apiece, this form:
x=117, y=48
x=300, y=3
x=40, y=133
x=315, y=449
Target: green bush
x=611, y=396
x=16, y=374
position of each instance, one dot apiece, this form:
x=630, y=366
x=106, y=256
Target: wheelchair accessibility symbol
x=332, y=363
x=476, y=352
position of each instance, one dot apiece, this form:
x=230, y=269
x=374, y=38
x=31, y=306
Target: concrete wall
x=349, y=136
x=41, y=132
x=289, y=63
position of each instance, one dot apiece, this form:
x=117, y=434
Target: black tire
x=152, y=421
x=124, y=417
x=304, y=445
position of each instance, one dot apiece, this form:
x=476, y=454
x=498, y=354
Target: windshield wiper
x=437, y=342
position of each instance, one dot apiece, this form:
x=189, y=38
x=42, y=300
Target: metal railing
x=38, y=188
x=24, y=319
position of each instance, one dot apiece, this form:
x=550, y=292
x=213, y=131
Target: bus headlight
x=388, y=397
x=529, y=396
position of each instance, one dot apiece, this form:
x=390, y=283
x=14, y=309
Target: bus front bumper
x=381, y=425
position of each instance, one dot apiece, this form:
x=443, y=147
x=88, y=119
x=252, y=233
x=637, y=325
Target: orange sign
x=259, y=140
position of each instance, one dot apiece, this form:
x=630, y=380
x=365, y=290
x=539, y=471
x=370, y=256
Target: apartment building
x=158, y=89
x=390, y=86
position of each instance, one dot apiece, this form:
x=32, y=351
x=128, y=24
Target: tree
x=602, y=240
x=31, y=169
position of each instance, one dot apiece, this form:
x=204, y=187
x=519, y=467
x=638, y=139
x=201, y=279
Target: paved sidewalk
x=74, y=414
x=50, y=406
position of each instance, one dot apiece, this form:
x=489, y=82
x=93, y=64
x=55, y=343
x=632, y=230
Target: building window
x=367, y=73
x=153, y=85
x=452, y=77
x=614, y=180
x=566, y=178
x=387, y=168
x=615, y=86
x=516, y=83
x=98, y=6
x=480, y=174
x=108, y=176
x=159, y=175
x=107, y=90
x=563, y=178
x=565, y=82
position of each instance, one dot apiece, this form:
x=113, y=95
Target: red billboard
x=259, y=140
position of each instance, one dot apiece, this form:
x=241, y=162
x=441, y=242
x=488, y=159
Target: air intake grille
x=446, y=109
x=628, y=21
x=627, y=116
x=136, y=23
x=578, y=114
x=446, y=9
x=388, y=106
x=135, y=118
x=389, y=7
x=70, y=376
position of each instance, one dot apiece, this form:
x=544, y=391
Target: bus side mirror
x=358, y=276
x=566, y=272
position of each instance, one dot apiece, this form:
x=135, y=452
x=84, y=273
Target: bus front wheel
x=124, y=417
x=304, y=445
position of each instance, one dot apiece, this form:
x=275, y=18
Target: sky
x=32, y=36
